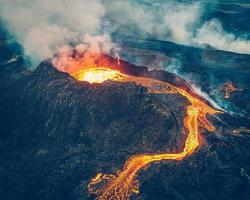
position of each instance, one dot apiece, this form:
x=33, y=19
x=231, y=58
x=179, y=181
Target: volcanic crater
x=75, y=130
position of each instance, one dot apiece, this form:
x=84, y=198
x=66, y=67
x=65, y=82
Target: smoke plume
x=212, y=33
x=179, y=22
x=44, y=27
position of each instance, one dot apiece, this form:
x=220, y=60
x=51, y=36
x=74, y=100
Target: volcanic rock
x=56, y=133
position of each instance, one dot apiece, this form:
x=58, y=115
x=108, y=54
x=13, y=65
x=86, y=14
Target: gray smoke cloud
x=166, y=21
x=44, y=27
x=212, y=33
x=180, y=22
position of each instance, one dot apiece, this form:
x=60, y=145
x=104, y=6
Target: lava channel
x=123, y=184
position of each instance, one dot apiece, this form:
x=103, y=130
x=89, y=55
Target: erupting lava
x=229, y=88
x=124, y=183
x=97, y=75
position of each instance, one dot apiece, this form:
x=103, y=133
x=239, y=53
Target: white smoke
x=167, y=21
x=180, y=22
x=212, y=33
x=43, y=27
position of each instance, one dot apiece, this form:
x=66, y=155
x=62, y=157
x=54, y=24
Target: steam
x=212, y=33
x=166, y=21
x=70, y=59
x=179, y=22
x=44, y=27
x=62, y=27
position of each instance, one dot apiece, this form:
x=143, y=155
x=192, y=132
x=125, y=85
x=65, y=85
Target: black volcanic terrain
x=56, y=133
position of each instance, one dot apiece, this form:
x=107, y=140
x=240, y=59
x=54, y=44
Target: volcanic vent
x=124, y=182
x=141, y=128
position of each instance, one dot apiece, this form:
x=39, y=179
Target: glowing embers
x=229, y=88
x=98, y=75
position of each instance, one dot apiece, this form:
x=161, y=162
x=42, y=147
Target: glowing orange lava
x=97, y=75
x=229, y=88
x=124, y=183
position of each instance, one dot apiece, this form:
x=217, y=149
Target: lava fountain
x=124, y=183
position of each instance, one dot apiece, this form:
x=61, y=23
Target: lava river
x=121, y=185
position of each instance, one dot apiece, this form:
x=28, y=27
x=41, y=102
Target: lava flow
x=124, y=183
x=97, y=75
x=229, y=88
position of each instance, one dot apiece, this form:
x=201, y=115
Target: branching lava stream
x=124, y=183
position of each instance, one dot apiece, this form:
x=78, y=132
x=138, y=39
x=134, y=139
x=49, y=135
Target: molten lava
x=229, y=88
x=97, y=75
x=124, y=183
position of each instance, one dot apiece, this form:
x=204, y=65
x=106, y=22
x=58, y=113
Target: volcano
x=58, y=133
